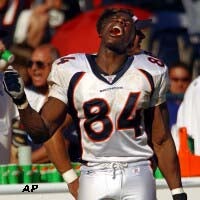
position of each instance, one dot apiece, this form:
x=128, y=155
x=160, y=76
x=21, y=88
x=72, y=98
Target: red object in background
x=189, y=163
x=97, y=3
x=79, y=35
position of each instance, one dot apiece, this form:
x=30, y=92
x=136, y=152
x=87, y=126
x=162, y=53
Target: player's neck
x=110, y=62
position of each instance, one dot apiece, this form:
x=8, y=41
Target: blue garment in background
x=173, y=103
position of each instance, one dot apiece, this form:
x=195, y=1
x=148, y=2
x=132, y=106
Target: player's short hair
x=110, y=12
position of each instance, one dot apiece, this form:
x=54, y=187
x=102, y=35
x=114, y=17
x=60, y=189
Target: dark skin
x=57, y=145
x=164, y=147
x=111, y=55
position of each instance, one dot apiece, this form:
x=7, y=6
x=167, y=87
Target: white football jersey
x=189, y=114
x=108, y=110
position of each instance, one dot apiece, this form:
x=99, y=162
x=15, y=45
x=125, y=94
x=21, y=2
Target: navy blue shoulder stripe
x=150, y=79
x=73, y=82
x=71, y=108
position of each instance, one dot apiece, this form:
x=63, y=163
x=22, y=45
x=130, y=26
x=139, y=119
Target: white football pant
x=117, y=181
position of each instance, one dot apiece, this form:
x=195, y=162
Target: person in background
x=169, y=39
x=180, y=76
x=9, y=13
x=140, y=25
x=112, y=133
x=189, y=114
x=8, y=114
x=38, y=68
x=192, y=13
x=36, y=25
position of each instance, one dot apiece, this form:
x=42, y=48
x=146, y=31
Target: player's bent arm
x=164, y=147
x=57, y=149
x=39, y=155
x=58, y=145
x=42, y=126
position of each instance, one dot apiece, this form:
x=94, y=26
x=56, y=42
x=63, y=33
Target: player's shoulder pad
x=149, y=63
x=70, y=64
x=69, y=59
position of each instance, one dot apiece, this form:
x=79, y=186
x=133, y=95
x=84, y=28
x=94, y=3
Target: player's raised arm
x=39, y=127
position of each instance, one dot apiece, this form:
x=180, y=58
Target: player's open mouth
x=116, y=31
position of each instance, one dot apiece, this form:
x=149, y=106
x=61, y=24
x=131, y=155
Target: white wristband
x=69, y=176
x=177, y=191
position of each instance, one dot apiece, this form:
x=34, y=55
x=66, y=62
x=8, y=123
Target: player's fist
x=14, y=86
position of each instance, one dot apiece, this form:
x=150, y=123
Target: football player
x=107, y=95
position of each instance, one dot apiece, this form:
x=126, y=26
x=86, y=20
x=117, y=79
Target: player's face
x=39, y=67
x=117, y=32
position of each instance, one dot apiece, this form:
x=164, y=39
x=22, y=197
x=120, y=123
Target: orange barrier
x=189, y=163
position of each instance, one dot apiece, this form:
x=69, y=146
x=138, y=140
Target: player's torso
x=110, y=112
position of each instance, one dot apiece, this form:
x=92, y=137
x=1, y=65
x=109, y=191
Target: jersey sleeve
x=61, y=75
x=58, y=82
x=159, y=73
x=161, y=87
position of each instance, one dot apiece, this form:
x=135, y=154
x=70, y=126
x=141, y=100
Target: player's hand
x=14, y=86
x=73, y=188
x=182, y=196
